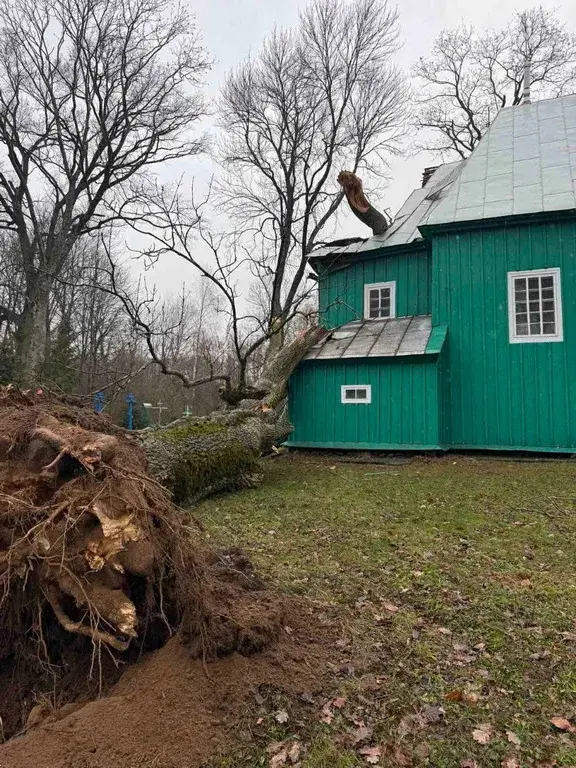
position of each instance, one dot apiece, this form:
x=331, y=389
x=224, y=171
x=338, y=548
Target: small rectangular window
x=535, y=306
x=379, y=301
x=353, y=395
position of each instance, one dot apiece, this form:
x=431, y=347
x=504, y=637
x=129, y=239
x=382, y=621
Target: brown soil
x=171, y=711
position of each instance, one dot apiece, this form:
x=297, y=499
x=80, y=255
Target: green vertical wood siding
x=403, y=412
x=497, y=394
x=342, y=291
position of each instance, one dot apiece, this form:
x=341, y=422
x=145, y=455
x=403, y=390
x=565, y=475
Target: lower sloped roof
x=400, y=336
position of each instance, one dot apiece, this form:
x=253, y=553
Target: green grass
x=478, y=555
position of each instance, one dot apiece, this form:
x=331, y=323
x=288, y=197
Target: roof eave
x=427, y=230
x=339, y=258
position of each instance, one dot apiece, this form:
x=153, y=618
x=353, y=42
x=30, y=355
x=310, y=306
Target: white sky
x=231, y=29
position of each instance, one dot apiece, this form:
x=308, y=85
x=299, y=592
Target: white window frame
x=554, y=273
x=356, y=401
x=373, y=286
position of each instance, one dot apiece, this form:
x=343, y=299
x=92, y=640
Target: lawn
x=452, y=583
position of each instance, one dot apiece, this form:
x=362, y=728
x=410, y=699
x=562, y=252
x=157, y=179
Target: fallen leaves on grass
x=284, y=753
x=483, y=734
x=327, y=715
x=390, y=607
x=562, y=724
x=372, y=755
x=281, y=716
x=362, y=733
x=466, y=697
x=416, y=722
x=510, y=761
x=469, y=763
x=513, y=738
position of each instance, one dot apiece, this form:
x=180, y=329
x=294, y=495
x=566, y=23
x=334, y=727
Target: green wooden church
x=456, y=327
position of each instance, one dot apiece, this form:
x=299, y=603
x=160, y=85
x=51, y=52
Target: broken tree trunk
x=359, y=205
x=194, y=457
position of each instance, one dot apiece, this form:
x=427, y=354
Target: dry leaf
x=561, y=724
x=294, y=751
x=455, y=695
x=360, y=734
x=483, y=734
x=340, y=702
x=279, y=758
x=470, y=697
x=281, y=716
x=372, y=755
x=444, y=631
x=513, y=738
x=327, y=715
x=401, y=758
x=510, y=761
x=391, y=607
x=469, y=763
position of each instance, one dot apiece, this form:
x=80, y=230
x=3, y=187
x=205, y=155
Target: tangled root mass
x=94, y=555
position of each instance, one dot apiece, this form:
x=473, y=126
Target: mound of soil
x=171, y=711
x=97, y=568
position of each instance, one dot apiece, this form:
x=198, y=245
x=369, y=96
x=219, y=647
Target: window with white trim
x=379, y=300
x=356, y=395
x=535, y=306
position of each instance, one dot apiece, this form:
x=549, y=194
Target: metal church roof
x=400, y=336
x=525, y=163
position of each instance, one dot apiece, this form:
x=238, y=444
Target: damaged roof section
x=404, y=228
x=397, y=337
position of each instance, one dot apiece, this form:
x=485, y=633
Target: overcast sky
x=231, y=29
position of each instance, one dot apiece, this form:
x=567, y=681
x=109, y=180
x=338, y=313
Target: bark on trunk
x=32, y=337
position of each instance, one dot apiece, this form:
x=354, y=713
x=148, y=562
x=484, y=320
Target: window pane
x=361, y=394
x=521, y=307
x=547, y=282
x=350, y=394
x=549, y=328
x=535, y=328
x=522, y=329
x=534, y=283
x=548, y=317
x=548, y=293
x=548, y=306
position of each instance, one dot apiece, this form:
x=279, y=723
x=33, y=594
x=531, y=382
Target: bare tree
x=93, y=94
x=315, y=99
x=470, y=76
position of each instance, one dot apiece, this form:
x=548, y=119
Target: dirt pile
x=170, y=711
x=98, y=566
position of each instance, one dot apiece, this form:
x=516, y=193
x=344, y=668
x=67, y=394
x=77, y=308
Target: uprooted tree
x=92, y=547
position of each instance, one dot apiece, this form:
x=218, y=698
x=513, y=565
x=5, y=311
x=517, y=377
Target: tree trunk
x=195, y=457
x=32, y=336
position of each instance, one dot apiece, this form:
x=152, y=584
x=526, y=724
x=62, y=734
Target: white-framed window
x=535, y=306
x=357, y=394
x=379, y=300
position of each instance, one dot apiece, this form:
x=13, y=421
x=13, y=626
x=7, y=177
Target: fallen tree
x=95, y=555
x=194, y=457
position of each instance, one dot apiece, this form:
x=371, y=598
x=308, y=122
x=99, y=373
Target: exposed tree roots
x=94, y=555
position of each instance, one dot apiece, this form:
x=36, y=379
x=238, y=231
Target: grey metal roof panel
x=525, y=163
x=375, y=338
